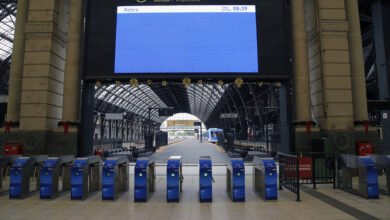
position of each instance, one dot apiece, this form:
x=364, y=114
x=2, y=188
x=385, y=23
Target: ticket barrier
x=5, y=165
x=25, y=172
x=360, y=176
x=85, y=177
x=383, y=163
x=205, y=179
x=55, y=176
x=144, y=179
x=115, y=177
x=265, y=181
x=236, y=180
x=174, y=178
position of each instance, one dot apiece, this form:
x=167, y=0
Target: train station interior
x=194, y=109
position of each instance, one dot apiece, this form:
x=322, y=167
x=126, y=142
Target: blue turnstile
x=174, y=178
x=23, y=170
x=368, y=177
x=383, y=165
x=205, y=179
x=359, y=176
x=5, y=165
x=55, y=171
x=115, y=177
x=144, y=179
x=85, y=177
x=265, y=180
x=236, y=180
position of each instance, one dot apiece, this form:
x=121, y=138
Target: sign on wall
x=181, y=123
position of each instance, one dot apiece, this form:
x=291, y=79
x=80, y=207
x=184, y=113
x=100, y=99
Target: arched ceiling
x=197, y=99
x=7, y=27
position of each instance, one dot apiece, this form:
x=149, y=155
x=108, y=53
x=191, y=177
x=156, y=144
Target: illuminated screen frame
x=100, y=40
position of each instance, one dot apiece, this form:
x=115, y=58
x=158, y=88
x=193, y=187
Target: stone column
x=71, y=99
x=301, y=66
x=44, y=62
x=359, y=96
x=16, y=74
x=329, y=62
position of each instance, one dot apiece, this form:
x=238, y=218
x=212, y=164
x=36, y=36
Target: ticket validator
x=236, y=180
x=360, y=176
x=265, y=180
x=25, y=173
x=144, y=179
x=85, y=177
x=5, y=166
x=205, y=179
x=55, y=176
x=174, y=178
x=383, y=165
x=115, y=177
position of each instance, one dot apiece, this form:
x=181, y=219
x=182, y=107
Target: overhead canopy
x=197, y=99
x=7, y=27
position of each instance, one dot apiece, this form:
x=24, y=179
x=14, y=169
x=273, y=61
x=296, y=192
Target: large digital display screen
x=175, y=39
x=186, y=39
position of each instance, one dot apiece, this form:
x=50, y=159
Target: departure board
x=208, y=40
x=186, y=39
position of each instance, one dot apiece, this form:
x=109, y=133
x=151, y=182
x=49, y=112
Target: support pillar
x=302, y=102
x=337, y=80
x=39, y=62
x=300, y=62
x=71, y=101
x=16, y=74
x=86, y=129
x=285, y=120
x=359, y=96
x=381, y=26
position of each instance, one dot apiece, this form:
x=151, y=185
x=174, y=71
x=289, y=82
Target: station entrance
x=215, y=60
x=249, y=114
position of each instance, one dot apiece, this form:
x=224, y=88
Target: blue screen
x=186, y=39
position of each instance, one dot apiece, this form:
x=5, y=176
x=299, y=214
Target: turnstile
x=174, y=178
x=85, y=177
x=115, y=177
x=55, y=176
x=25, y=172
x=265, y=180
x=205, y=179
x=144, y=179
x=235, y=175
x=360, y=176
x=5, y=164
x=383, y=164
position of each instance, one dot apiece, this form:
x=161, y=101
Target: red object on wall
x=308, y=127
x=305, y=168
x=364, y=147
x=98, y=152
x=66, y=128
x=7, y=127
x=13, y=148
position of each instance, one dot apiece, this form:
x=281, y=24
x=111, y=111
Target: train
x=212, y=135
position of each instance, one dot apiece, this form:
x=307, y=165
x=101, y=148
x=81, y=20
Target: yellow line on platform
x=161, y=149
x=219, y=148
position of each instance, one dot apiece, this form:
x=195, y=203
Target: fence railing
x=317, y=168
x=289, y=173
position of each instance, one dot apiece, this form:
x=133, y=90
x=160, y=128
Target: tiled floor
x=189, y=207
x=156, y=208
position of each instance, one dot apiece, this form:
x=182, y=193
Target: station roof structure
x=7, y=27
x=206, y=101
x=197, y=99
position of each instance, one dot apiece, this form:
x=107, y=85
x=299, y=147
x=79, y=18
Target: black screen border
x=272, y=35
